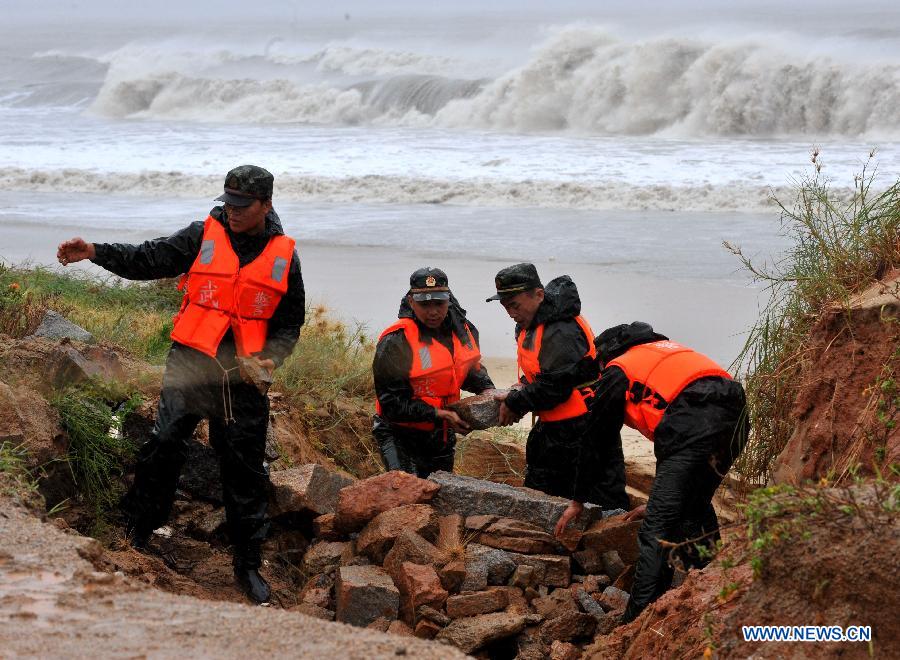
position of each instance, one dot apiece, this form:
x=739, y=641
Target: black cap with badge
x=513, y=280
x=245, y=184
x=429, y=284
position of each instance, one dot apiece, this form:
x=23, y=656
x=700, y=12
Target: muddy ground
x=57, y=601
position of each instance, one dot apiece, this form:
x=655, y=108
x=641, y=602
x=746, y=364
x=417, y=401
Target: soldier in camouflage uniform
x=202, y=377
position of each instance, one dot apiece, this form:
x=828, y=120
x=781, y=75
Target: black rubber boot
x=253, y=584
x=138, y=536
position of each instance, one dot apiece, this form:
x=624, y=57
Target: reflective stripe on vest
x=530, y=365
x=435, y=375
x=220, y=294
x=657, y=373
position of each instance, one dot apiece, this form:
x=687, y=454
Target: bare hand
x=637, y=513
x=454, y=420
x=507, y=416
x=571, y=513
x=73, y=250
x=268, y=364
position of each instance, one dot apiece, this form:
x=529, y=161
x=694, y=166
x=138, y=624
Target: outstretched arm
x=157, y=258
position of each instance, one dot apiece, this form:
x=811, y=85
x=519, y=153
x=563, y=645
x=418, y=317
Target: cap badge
x=430, y=281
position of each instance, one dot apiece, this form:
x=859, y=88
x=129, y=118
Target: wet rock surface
x=311, y=487
x=481, y=411
x=57, y=326
x=476, y=497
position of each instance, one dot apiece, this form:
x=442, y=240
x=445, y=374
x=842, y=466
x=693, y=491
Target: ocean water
x=632, y=138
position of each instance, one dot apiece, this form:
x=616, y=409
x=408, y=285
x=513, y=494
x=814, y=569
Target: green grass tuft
x=134, y=315
x=16, y=477
x=98, y=452
x=330, y=360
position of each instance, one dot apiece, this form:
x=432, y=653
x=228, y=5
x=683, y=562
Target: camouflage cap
x=429, y=284
x=245, y=184
x=515, y=279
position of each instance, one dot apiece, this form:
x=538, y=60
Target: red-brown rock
x=564, y=651
x=511, y=534
x=418, y=585
x=323, y=555
x=452, y=575
x=362, y=501
x=614, y=533
x=426, y=629
x=451, y=529
x=568, y=626
x=377, y=538
x=517, y=602
x=478, y=602
x=550, y=570
x=480, y=454
x=410, y=547
x=556, y=604
x=613, y=599
x=325, y=529
x=317, y=591
x=399, y=628
x=472, y=633
x=314, y=611
x=626, y=579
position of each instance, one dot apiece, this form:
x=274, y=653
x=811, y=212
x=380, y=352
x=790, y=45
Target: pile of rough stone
x=460, y=560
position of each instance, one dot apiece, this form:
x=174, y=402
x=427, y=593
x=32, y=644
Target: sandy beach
x=363, y=284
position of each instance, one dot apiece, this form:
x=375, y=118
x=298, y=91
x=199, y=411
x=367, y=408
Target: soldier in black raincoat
x=698, y=430
x=556, y=344
x=209, y=385
x=413, y=430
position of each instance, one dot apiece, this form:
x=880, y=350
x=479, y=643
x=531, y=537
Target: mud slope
x=848, y=391
x=53, y=603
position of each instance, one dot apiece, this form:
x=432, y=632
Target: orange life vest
x=530, y=365
x=657, y=373
x=222, y=295
x=435, y=375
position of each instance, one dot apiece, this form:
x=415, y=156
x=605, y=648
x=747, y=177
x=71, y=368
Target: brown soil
x=832, y=569
x=847, y=357
x=336, y=433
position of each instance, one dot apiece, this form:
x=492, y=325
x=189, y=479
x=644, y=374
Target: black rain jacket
x=393, y=360
x=683, y=415
x=171, y=256
x=562, y=356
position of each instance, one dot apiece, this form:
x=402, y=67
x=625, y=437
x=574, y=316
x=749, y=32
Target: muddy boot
x=246, y=571
x=137, y=535
x=253, y=584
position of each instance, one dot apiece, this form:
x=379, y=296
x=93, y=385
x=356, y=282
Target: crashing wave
x=581, y=80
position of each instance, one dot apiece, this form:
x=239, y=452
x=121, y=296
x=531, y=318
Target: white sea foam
x=409, y=190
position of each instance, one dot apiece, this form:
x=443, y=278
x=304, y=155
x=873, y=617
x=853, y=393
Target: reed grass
x=840, y=245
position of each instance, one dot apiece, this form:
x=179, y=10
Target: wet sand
x=365, y=284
